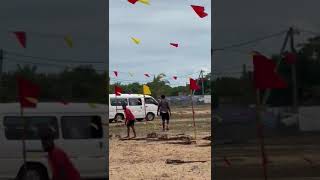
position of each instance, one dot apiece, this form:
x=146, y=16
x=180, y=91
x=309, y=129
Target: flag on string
x=130, y=74
x=115, y=73
x=136, y=40
x=132, y=1
x=174, y=44
x=117, y=90
x=146, y=90
x=175, y=77
x=145, y=2
x=68, y=40
x=264, y=74
x=64, y=102
x=199, y=10
x=147, y=75
x=226, y=161
x=21, y=37
x=193, y=85
x=92, y=105
x=28, y=93
x=290, y=58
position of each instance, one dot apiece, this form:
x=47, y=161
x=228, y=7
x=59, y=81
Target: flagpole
x=260, y=133
x=24, y=154
x=194, y=122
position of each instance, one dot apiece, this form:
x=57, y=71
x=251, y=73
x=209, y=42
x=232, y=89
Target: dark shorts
x=165, y=116
x=130, y=123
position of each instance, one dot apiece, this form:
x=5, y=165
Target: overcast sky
x=157, y=25
x=46, y=23
x=238, y=21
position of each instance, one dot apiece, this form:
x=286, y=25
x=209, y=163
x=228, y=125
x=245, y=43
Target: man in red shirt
x=129, y=120
x=61, y=166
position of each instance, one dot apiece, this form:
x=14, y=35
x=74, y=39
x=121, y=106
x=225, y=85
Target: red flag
x=290, y=58
x=132, y=1
x=28, y=93
x=264, y=73
x=174, y=44
x=199, y=10
x=193, y=85
x=175, y=77
x=147, y=75
x=117, y=90
x=226, y=161
x=22, y=38
x=115, y=73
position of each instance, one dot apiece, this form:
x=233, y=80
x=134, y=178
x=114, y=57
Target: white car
x=79, y=131
x=142, y=107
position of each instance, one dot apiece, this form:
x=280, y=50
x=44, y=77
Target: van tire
x=118, y=117
x=36, y=170
x=150, y=117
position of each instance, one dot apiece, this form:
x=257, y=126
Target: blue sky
x=157, y=25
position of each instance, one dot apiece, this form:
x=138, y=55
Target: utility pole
x=202, y=82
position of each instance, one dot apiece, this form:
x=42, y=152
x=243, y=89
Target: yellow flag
x=32, y=100
x=92, y=105
x=146, y=90
x=135, y=40
x=145, y=2
x=68, y=40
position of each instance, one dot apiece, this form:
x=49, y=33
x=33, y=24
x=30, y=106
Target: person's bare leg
x=134, y=132
x=128, y=132
x=163, y=125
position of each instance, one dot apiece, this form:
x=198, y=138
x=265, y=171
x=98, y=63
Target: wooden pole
x=260, y=133
x=24, y=153
x=194, y=122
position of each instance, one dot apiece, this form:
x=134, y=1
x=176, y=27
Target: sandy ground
x=137, y=160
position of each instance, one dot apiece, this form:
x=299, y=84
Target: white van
x=141, y=106
x=79, y=131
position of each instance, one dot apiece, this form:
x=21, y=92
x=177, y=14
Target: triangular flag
x=193, y=85
x=28, y=93
x=175, y=77
x=117, y=90
x=264, y=74
x=135, y=40
x=174, y=44
x=130, y=74
x=22, y=38
x=147, y=75
x=146, y=90
x=132, y=1
x=144, y=2
x=199, y=10
x=68, y=40
x=92, y=105
x=64, y=102
x=115, y=73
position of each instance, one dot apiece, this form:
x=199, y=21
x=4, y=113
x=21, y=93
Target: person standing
x=165, y=112
x=60, y=164
x=130, y=119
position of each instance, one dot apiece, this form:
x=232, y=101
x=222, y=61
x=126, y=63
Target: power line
x=253, y=41
x=54, y=59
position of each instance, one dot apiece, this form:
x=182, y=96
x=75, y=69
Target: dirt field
x=145, y=158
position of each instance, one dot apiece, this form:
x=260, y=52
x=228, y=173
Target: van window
x=135, y=102
x=118, y=101
x=81, y=127
x=151, y=101
x=14, y=127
